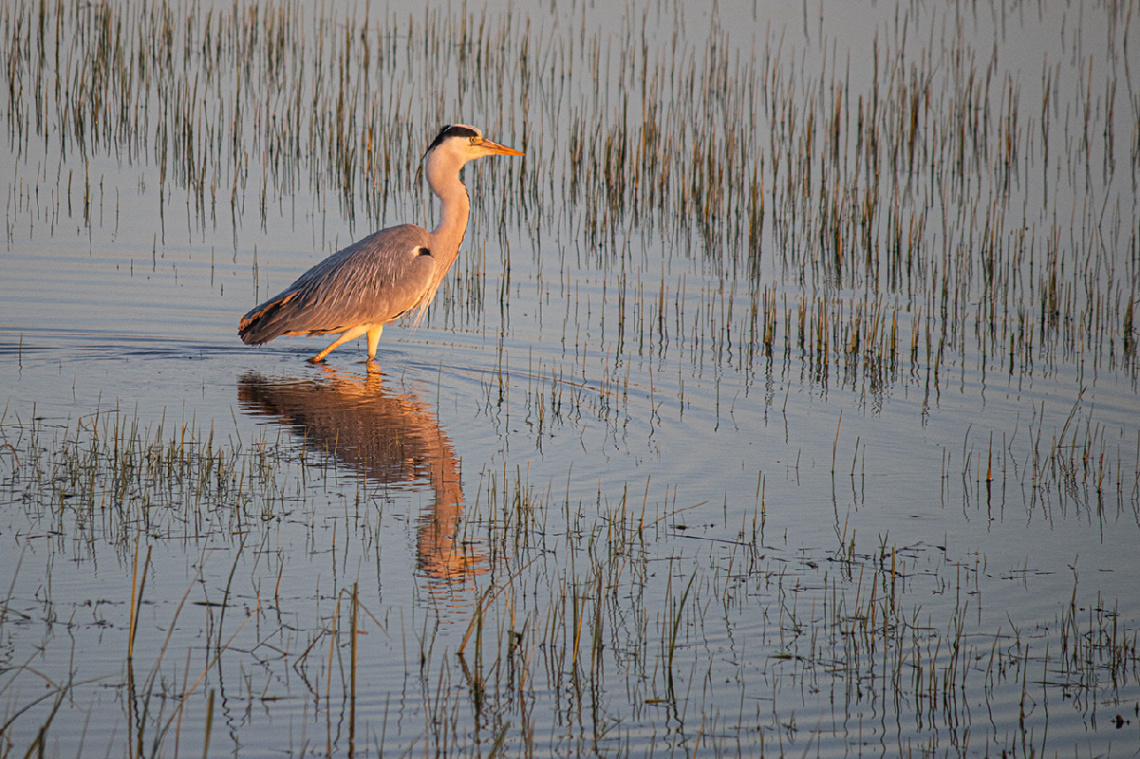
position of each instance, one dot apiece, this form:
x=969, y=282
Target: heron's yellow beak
x=494, y=148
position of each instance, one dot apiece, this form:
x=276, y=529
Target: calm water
x=783, y=398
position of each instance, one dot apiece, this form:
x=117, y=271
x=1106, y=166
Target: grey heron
x=359, y=289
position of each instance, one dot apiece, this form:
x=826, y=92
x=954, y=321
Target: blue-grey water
x=590, y=505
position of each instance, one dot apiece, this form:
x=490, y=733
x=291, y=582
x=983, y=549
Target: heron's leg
x=351, y=334
x=374, y=340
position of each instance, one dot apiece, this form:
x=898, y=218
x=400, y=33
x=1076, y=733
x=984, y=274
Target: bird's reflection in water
x=388, y=437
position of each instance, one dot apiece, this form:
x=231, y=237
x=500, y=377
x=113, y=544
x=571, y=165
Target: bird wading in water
x=359, y=289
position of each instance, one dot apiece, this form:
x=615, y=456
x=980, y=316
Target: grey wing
x=371, y=281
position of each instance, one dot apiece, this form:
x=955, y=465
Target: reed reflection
x=388, y=437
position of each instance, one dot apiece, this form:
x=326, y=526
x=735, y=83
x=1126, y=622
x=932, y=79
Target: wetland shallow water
x=783, y=398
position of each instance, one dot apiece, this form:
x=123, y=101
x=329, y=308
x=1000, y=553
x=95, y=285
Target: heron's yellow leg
x=374, y=340
x=351, y=334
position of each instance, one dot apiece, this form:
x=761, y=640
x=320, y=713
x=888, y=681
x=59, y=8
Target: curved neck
x=442, y=172
x=454, y=208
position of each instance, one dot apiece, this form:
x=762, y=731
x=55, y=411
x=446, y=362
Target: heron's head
x=460, y=143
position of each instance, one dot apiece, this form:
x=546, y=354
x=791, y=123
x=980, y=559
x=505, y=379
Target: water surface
x=782, y=399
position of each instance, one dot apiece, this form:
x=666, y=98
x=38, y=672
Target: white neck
x=443, y=177
x=442, y=172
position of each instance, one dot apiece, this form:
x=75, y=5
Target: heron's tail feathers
x=267, y=321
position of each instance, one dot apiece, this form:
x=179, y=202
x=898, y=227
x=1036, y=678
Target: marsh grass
x=736, y=217
x=593, y=623
x=920, y=180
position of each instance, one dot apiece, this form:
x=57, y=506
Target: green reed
x=605, y=615
x=908, y=175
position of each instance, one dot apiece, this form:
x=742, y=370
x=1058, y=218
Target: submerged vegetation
x=588, y=627
x=928, y=199
x=773, y=406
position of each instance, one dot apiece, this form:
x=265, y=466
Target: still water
x=782, y=399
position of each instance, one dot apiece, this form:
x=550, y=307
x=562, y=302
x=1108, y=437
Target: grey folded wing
x=372, y=281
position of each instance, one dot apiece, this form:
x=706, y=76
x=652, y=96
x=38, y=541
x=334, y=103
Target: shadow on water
x=389, y=438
